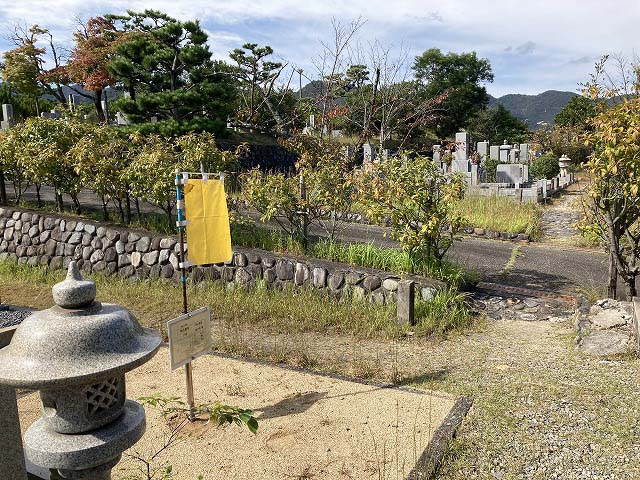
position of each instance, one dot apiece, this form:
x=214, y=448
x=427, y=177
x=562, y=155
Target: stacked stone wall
x=53, y=241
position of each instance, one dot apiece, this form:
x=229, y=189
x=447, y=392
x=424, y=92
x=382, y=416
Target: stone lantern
x=563, y=163
x=76, y=354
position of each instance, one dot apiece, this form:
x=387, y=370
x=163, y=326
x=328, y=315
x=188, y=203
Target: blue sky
x=533, y=46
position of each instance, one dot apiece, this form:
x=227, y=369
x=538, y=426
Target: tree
x=576, y=113
x=613, y=204
x=257, y=77
x=25, y=65
x=102, y=159
x=167, y=66
x=87, y=67
x=498, y=124
x=461, y=77
x=545, y=166
x=419, y=200
x=329, y=186
x=560, y=141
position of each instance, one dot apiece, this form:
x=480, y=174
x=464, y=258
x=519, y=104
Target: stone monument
x=7, y=116
x=563, y=163
x=76, y=354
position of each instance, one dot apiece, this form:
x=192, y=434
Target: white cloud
x=560, y=32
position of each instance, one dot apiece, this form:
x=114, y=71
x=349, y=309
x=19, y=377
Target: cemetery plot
x=325, y=426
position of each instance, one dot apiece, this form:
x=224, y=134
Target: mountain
x=533, y=109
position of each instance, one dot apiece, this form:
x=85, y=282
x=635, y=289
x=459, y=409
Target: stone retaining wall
x=53, y=241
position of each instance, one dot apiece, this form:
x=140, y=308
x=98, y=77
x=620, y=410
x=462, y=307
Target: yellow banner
x=208, y=235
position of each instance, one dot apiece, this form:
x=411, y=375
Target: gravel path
x=559, y=218
x=10, y=316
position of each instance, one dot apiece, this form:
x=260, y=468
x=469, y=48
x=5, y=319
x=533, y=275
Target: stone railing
x=53, y=241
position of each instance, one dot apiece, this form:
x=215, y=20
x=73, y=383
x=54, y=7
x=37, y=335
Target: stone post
x=12, y=464
x=406, y=302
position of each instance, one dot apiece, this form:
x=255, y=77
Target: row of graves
x=512, y=171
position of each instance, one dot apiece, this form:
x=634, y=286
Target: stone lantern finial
x=74, y=292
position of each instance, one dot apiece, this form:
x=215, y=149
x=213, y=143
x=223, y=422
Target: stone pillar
x=474, y=174
x=406, y=302
x=12, y=464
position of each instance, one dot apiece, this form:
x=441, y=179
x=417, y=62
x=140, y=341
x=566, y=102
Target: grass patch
x=361, y=254
x=288, y=311
x=501, y=214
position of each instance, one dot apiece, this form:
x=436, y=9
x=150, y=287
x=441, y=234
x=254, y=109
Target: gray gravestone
x=494, y=152
x=524, y=153
x=483, y=149
x=369, y=154
x=462, y=146
x=513, y=173
x=7, y=115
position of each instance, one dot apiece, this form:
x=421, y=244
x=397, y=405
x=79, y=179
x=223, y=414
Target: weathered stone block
x=390, y=284
x=143, y=244
x=96, y=243
x=90, y=229
x=120, y=247
x=126, y=272
x=167, y=271
x=74, y=239
x=319, y=277
x=284, y=269
x=150, y=258
x=136, y=259
x=87, y=252
x=110, y=255
x=270, y=275
x=243, y=276
x=302, y=274
x=168, y=243
x=335, y=281
x=269, y=262
x=353, y=278
x=241, y=260
x=371, y=283
x=50, y=247
x=86, y=239
x=97, y=256
x=124, y=260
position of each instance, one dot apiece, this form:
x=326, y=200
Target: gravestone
x=494, y=152
x=312, y=121
x=504, y=152
x=483, y=149
x=121, y=119
x=524, y=153
x=369, y=153
x=514, y=155
x=512, y=173
x=462, y=146
x=7, y=116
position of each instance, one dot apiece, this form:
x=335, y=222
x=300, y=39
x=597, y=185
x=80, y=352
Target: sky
x=533, y=45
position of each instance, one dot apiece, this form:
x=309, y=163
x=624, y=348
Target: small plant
x=216, y=412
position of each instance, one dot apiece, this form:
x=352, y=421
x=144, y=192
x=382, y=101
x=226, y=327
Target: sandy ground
x=310, y=426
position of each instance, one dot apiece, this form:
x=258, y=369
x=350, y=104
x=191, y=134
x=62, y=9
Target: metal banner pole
x=181, y=223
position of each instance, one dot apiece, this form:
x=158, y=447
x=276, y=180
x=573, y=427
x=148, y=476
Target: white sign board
x=189, y=336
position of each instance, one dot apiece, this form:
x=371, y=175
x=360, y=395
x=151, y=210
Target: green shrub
x=545, y=166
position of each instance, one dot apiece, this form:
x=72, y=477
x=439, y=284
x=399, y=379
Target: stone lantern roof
x=76, y=342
